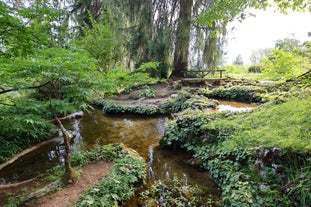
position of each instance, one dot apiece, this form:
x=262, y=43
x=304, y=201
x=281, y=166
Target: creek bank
x=127, y=169
x=177, y=107
x=257, y=158
x=67, y=196
x=179, y=102
x=186, y=99
x=56, y=140
x=177, y=98
x=250, y=171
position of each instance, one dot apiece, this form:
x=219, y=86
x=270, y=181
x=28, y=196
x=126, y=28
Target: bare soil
x=162, y=92
x=66, y=197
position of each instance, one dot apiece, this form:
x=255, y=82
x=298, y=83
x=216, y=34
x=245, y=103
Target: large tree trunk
x=182, y=38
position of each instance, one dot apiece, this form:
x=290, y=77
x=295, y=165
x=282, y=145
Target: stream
x=138, y=132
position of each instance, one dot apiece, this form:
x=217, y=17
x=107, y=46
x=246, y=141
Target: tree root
x=43, y=191
x=15, y=185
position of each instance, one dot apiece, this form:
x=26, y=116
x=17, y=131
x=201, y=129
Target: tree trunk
x=182, y=38
x=70, y=175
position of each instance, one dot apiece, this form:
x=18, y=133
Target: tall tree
x=182, y=38
x=86, y=10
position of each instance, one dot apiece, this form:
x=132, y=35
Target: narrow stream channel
x=140, y=133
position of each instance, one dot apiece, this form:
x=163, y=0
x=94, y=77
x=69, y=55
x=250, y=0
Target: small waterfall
x=150, y=157
x=160, y=126
x=167, y=175
x=76, y=130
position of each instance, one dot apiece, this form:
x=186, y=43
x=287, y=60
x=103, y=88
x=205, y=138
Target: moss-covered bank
x=261, y=158
x=182, y=100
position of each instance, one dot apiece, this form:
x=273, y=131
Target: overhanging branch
x=24, y=88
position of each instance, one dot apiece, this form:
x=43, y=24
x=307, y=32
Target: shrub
x=255, y=69
x=146, y=92
x=19, y=128
x=284, y=64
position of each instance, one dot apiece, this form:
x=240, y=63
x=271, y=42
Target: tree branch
x=62, y=128
x=30, y=87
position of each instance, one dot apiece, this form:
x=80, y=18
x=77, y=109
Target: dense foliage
x=285, y=64
x=34, y=89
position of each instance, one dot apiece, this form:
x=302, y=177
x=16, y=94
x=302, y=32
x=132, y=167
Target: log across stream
x=140, y=133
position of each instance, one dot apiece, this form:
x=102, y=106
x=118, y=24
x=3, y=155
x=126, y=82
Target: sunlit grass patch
x=285, y=126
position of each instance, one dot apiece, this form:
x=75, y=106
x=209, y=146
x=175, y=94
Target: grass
x=285, y=126
x=241, y=72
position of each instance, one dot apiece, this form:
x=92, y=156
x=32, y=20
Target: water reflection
x=143, y=134
x=135, y=132
x=233, y=106
x=139, y=133
x=166, y=163
x=32, y=164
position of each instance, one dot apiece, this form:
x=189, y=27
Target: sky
x=263, y=30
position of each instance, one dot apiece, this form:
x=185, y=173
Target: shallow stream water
x=137, y=132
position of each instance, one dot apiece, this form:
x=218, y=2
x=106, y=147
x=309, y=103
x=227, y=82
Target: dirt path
x=67, y=196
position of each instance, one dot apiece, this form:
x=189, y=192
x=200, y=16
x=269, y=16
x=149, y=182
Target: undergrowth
x=121, y=181
x=175, y=192
x=117, y=186
x=238, y=93
x=260, y=158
